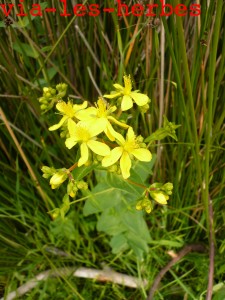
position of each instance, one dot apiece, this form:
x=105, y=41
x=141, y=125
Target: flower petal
x=125, y=165
x=78, y=107
x=142, y=154
x=84, y=154
x=57, y=126
x=113, y=95
x=112, y=157
x=126, y=103
x=71, y=127
x=117, y=122
x=97, y=126
x=70, y=142
x=86, y=114
x=62, y=107
x=118, y=86
x=111, y=133
x=139, y=99
x=98, y=147
x=130, y=135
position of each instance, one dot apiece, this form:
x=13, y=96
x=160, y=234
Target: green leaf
x=25, y=49
x=110, y=223
x=63, y=228
x=168, y=129
x=81, y=172
x=119, y=183
x=137, y=244
x=134, y=222
x=118, y=243
x=142, y=169
x=101, y=202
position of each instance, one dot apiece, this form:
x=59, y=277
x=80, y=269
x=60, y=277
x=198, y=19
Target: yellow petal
x=78, y=107
x=118, y=86
x=125, y=165
x=111, y=133
x=142, y=154
x=139, y=99
x=87, y=114
x=126, y=103
x=97, y=127
x=63, y=107
x=84, y=154
x=71, y=127
x=57, y=126
x=98, y=147
x=117, y=122
x=111, y=96
x=120, y=139
x=130, y=135
x=70, y=142
x=113, y=157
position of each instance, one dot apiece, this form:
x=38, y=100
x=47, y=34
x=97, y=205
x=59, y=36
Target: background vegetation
x=181, y=68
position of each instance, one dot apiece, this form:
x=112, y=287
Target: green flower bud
x=145, y=204
x=48, y=95
x=167, y=187
x=144, y=108
x=88, y=163
x=82, y=185
x=139, y=139
x=72, y=189
x=112, y=168
x=45, y=89
x=47, y=171
x=53, y=92
x=43, y=106
x=55, y=213
x=99, y=157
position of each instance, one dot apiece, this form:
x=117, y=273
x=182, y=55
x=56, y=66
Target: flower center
x=102, y=112
x=129, y=146
x=82, y=133
x=127, y=85
x=67, y=109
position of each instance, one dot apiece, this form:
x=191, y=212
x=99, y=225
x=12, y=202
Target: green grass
x=89, y=54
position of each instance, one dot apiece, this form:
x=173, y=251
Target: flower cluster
x=84, y=125
x=100, y=137
x=158, y=192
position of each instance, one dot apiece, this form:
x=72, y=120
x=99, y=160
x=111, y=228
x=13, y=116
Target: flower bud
x=112, y=168
x=55, y=213
x=144, y=108
x=58, y=178
x=145, y=204
x=159, y=197
x=47, y=171
x=82, y=185
x=167, y=187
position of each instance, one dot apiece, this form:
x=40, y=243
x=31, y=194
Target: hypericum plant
x=103, y=141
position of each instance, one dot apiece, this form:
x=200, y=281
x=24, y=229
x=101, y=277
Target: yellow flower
x=125, y=152
x=81, y=133
x=100, y=115
x=127, y=95
x=69, y=111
